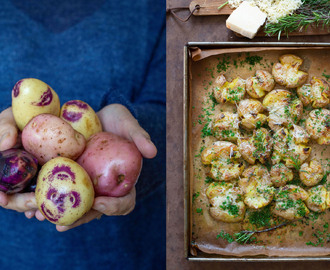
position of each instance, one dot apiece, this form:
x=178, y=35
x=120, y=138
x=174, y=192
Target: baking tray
x=197, y=255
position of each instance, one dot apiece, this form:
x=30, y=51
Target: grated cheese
x=275, y=9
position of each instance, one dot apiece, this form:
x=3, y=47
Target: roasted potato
x=257, y=147
x=257, y=85
x=226, y=202
x=287, y=73
x=256, y=186
x=280, y=175
x=311, y=173
x=290, y=145
x=316, y=93
x=225, y=126
x=290, y=202
x=225, y=91
x=225, y=161
x=318, y=126
x=250, y=112
x=318, y=199
x=283, y=108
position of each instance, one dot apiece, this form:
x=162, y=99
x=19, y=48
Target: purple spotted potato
x=17, y=169
x=81, y=117
x=113, y=163
x=31, y=97
x=47, y=136
x=64, y=191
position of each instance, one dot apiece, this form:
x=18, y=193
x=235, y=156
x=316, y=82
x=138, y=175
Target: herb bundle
x=311, y=12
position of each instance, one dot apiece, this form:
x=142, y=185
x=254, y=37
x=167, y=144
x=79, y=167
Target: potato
x=17, y=169
x=64, y=191
x=113, y=163
x=31, y=97
x=81, y=117
x=47, y=136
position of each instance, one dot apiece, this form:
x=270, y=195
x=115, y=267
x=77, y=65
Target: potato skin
x=81, y=117
x=47, y=136
x=31, y=97
x=64, y=191
x=113, y=163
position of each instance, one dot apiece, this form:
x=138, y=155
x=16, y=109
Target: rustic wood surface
x=199, y=29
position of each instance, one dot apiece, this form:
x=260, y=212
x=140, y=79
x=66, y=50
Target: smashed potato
x=225, y=91
x=290, y=145
x=226, y=202
x=250, y=112
x=226, y=126
x=318, y=199
x=256, y=186
x=262, y=82
x=317, y=93
x=289, y=202
x=311, y=173
x=318, y=126
x=225, y=161
x=287, y=73
x=280, y=175
x=283, y=108
x=257, y=147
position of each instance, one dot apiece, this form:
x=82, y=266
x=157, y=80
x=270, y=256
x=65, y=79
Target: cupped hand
x=20, y=202
x=109, y=206
x=115, y=118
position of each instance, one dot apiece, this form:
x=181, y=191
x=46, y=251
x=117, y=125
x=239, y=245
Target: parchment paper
x=289, y=240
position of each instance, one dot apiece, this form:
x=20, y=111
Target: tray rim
x=201, y=256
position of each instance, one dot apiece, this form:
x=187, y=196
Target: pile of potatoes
x=78, y=159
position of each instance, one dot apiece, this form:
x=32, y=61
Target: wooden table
x=198, y=29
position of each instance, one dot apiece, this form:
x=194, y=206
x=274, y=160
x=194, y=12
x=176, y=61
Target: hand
x=109, y=206
x=114, y=118
x=8, y=139
x=117, y=119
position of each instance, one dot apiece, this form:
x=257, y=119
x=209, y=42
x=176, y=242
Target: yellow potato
x=31, y=97
x=81, y=117
x=64, y=191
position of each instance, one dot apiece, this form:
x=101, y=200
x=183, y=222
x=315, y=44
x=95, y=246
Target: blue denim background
x=101, y=52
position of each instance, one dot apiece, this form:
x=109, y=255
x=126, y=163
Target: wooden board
x=210, y=8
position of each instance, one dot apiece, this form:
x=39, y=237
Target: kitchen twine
x=174, y=10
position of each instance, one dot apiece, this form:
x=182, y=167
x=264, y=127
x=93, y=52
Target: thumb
x=8, y=130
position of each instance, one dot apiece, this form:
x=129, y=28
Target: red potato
x=47, y=136
x=113, y=163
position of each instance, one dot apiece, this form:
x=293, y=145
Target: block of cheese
x=246, y=20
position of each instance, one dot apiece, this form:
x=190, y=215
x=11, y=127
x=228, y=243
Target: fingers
x=21, y=202
x=8, y=130
x=30, y=213
x=142, y=141
x=117, y=118
x=92, y=214
x=112, y=206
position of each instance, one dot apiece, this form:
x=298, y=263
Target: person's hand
x=117, y=119
x=8, y=139
x=114, y=118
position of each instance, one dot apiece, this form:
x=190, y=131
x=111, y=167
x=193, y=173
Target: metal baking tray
x=199, y=255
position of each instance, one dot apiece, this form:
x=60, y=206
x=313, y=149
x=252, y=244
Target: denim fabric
x=101, y=52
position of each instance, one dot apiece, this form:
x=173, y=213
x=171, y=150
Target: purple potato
x=17, y=169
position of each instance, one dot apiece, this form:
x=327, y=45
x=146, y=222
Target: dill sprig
x=311, y=12
x=244, y=237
